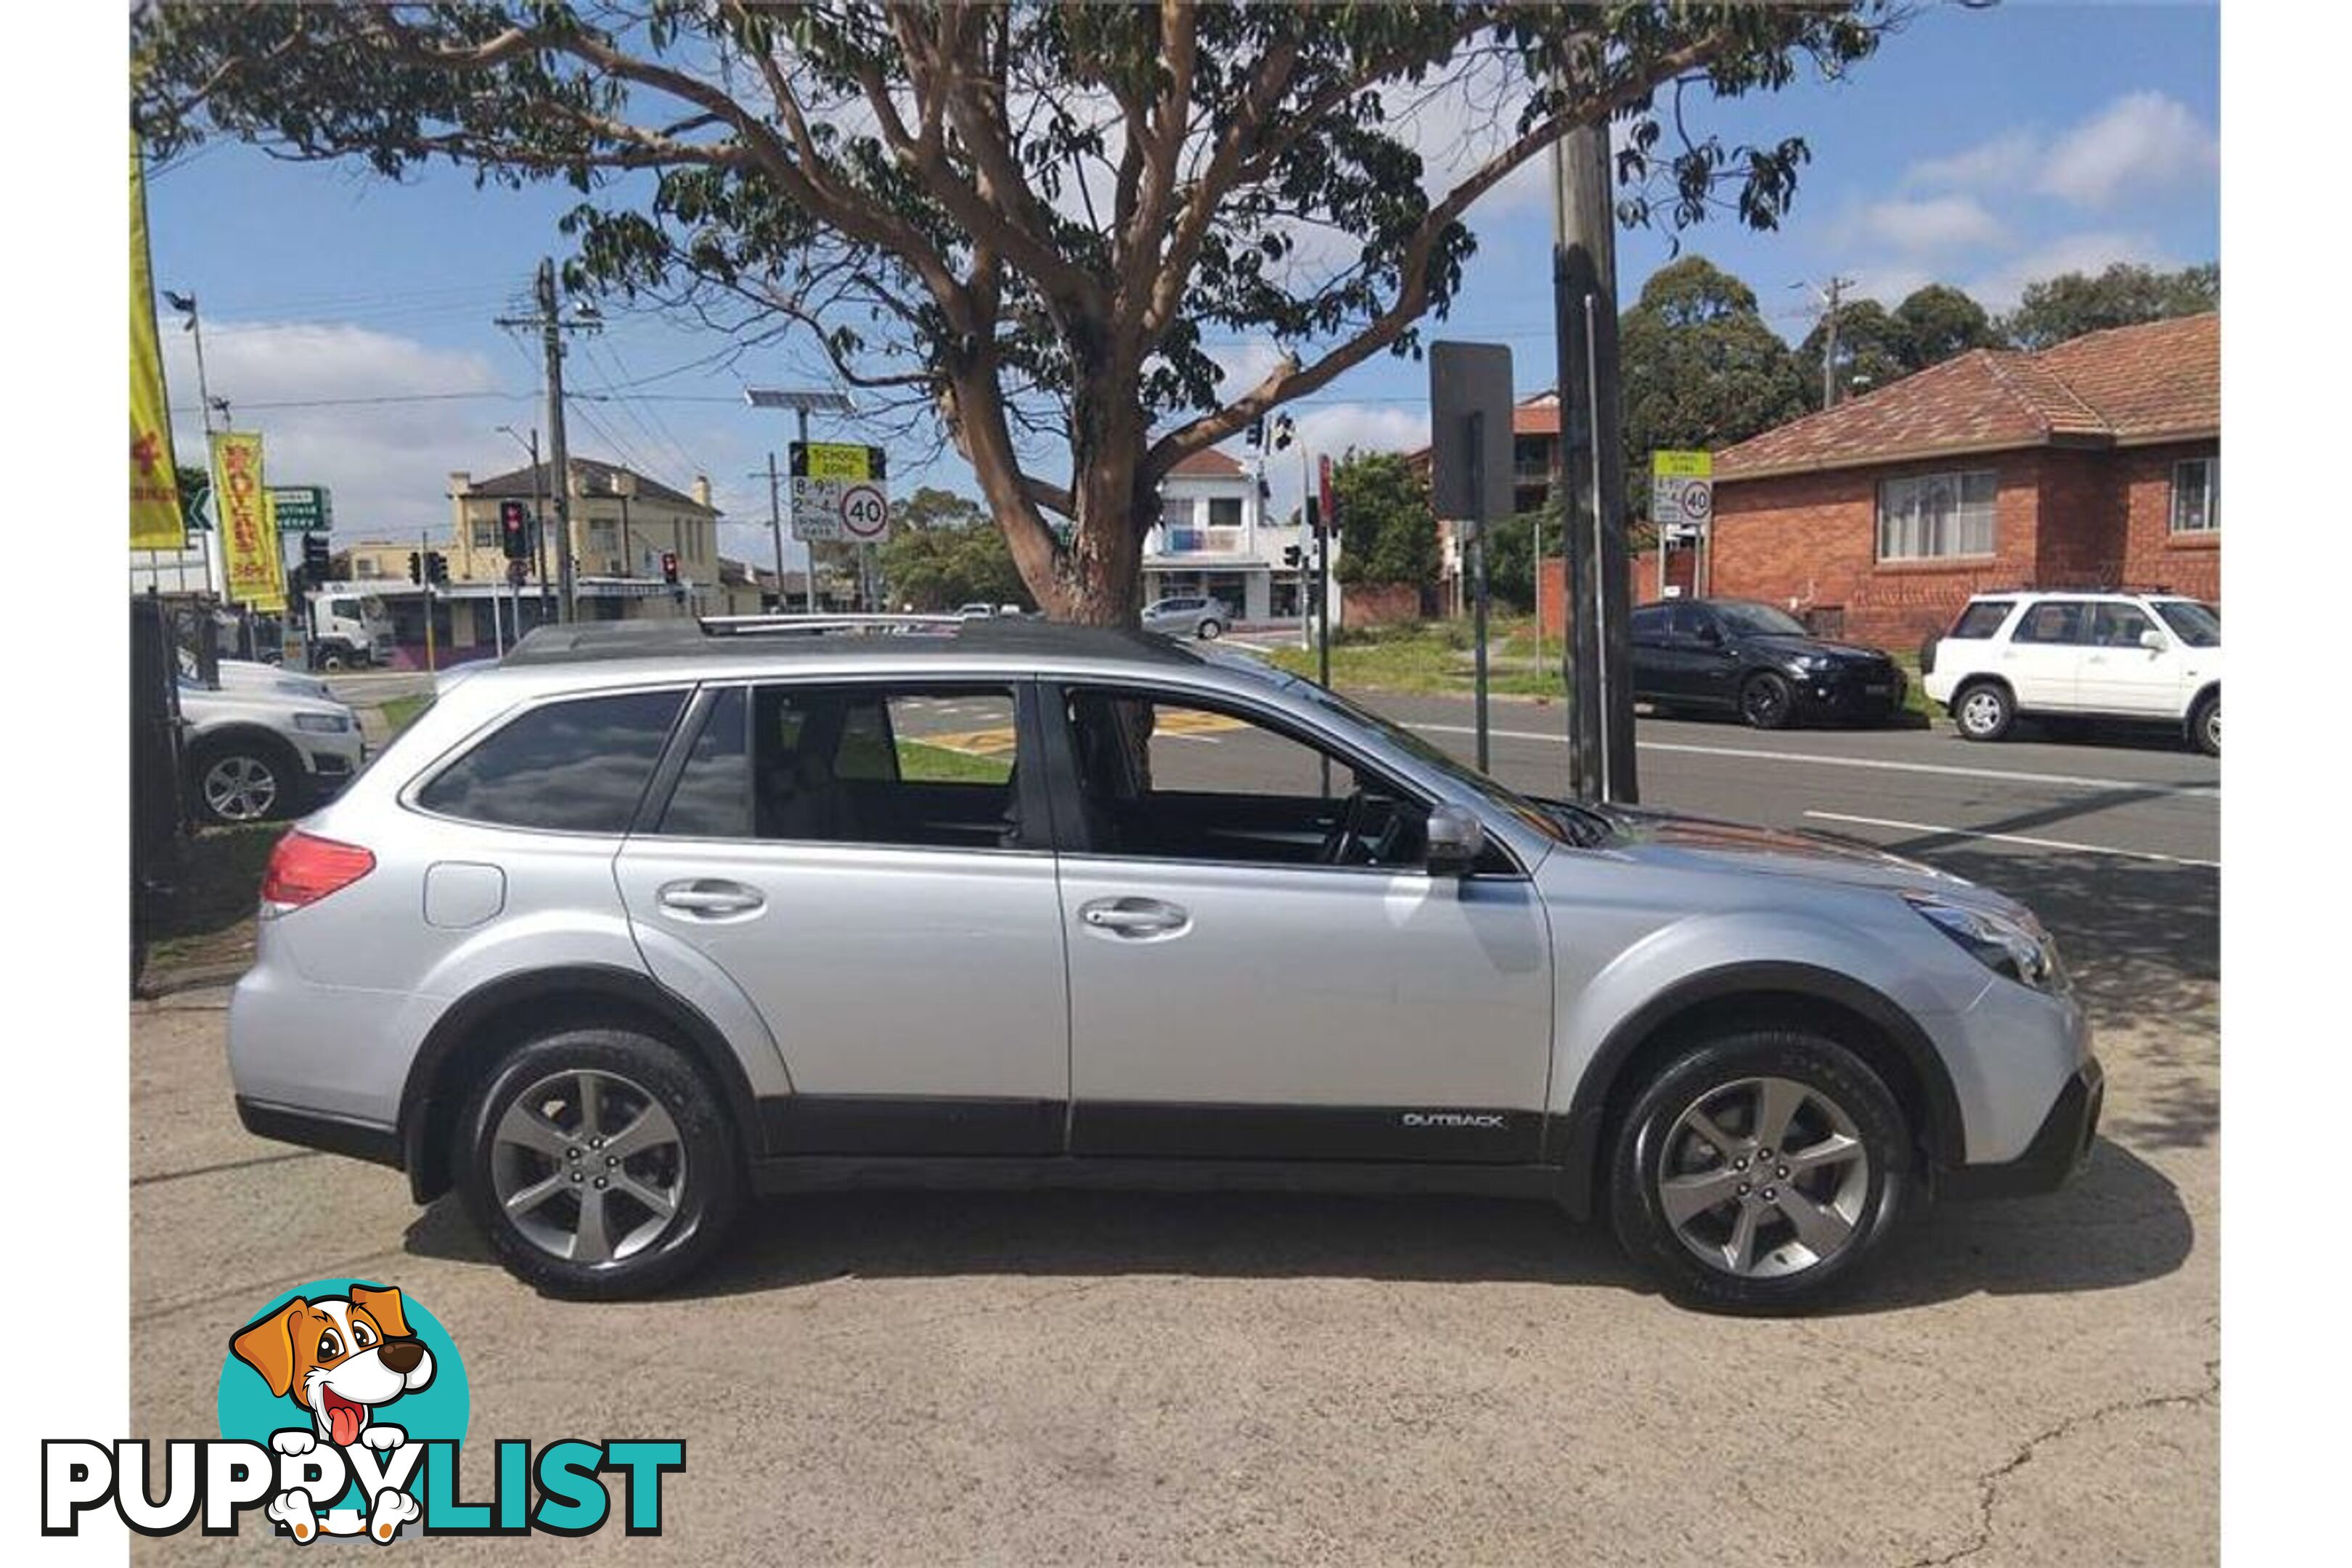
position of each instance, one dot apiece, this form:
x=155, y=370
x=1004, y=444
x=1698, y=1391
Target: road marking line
x=2011, y=839
x=1759, y=753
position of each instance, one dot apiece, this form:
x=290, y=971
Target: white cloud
x=1937, y=226
x=1999, y=162
x=387, y=463
x=2144, y=139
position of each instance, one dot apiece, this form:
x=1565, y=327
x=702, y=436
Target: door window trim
x=1032, y=796
x=1052, y=700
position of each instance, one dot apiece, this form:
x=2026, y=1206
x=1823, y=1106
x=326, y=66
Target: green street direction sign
x=302, y=509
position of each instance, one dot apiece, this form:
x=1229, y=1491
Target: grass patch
x=1437, y=657
x=399, y=712
x=208, y=919
x=922, y=762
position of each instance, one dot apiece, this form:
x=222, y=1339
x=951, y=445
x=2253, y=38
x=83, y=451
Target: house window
x=1931, y=516
x=2197, y=496
x=1224, y=511
x=1176, y=513
x=364, y=566
x=485, y=535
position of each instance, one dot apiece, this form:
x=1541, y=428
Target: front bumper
x=331, y=760
x=1856, y=691
x=2059, y=1150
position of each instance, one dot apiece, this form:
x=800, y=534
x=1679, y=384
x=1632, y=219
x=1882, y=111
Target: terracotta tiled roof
x=2161, y=380
x=1207, y=464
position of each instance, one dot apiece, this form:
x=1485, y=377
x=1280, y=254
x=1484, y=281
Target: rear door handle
x=708, y=897
x=1134, y=917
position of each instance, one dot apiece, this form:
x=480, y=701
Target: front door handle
x=709, y=897
x=1135, y=917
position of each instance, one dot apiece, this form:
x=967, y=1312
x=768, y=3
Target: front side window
x=1755, y=620
x=577, y=766
x=1649, y=624
x=2055, y=621
x=1689, y=623
x=1928, y=517
x=851, y=764
x=2119, y=626
x=2197, y=496
x=1162, y=780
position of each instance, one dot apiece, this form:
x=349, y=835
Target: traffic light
x=437, y=566
x=416, y=571
x=669, y=567
x=1314, y=513
x=514, y=530
x=315, y=564
x=1290, y=556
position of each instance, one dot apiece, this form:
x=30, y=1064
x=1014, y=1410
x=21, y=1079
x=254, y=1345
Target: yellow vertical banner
x=155, y=520
x=249, y=533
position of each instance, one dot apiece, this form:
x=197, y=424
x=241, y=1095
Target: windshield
x=2199, y=625
x=1556, y=825
x=1758, y=620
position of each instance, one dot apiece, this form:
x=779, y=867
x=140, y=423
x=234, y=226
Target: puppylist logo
x=341, y=1407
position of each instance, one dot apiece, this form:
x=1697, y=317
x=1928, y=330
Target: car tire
x=2205, y=724
x=538, y=1125
x=1983, y=710
x=1744, y=1252
x=331, y=660
x=1210, y=631
x=242, y=779
x=1767, y=701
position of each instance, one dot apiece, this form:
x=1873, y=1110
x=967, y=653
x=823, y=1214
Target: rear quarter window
x=577, y=766
x=1982, y=618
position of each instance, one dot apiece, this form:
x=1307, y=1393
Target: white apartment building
x=1213, y=538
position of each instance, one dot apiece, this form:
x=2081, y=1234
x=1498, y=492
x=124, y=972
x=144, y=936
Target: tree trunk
x=1103, y=575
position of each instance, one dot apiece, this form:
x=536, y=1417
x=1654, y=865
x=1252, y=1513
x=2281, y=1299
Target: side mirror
x=2153, y=640
x=1457, y=838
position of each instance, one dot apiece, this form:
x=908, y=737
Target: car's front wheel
x=1767, y=701
x=1759, y=1171
x=598, y=1164
x=1211, y=630
x=2205, y=725
x=243, y=780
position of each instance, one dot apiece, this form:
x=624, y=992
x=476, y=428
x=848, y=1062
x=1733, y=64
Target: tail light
x=304, y=868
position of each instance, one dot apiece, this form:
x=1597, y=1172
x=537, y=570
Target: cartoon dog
x=342, y=1359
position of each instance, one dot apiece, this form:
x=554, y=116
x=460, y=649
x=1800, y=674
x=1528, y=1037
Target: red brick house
x=2095, y=462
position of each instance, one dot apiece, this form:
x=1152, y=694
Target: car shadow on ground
x=2120, y=1223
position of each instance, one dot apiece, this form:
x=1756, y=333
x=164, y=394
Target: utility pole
x=776, y=526
x=1591, y=479
x=424, y=578
x=1832, y=295
x=552, y=327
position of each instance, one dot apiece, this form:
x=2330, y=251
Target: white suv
x=2147, y=657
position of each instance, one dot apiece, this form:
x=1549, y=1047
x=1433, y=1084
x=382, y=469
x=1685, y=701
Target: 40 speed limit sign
x=864, y=513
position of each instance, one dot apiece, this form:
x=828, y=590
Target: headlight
x=2014, y=946
x=322, y=723
x=1809, y=663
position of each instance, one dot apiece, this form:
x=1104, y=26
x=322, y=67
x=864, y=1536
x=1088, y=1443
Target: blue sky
x=1981, y=148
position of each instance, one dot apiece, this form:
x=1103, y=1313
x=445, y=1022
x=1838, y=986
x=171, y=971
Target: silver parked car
x=254, y=750
x=654, y=917
x=1188, y=615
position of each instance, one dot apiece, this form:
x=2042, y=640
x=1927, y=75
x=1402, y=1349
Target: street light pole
x=216, y=563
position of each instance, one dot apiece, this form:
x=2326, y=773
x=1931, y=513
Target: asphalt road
x=896, y=1378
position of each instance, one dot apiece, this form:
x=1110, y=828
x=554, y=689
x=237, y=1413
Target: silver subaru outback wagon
x=648, y=920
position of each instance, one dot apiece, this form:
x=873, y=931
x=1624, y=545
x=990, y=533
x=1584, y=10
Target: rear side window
x=1982, y=618
x=2054, y=621
x=566, y=767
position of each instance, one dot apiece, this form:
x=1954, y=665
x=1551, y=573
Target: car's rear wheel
x=1759, y=1171
x=598, y=1164
x=333, y=659
x=1767, y=701
x=2205, y=725
x=1984, y=712
x=1210, y=631
x=242, y=779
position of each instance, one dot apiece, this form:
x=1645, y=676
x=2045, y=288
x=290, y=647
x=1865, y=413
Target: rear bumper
x=2057, y=1155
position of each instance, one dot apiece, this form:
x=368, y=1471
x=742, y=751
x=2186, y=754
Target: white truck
x=349, y=627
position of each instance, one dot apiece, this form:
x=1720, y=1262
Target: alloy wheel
x=1764, y=1177
x=1981, y=714
x=1764, y=702
x=240, y=788
x=588, y=1166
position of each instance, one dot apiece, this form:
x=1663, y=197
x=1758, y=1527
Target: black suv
x=1740, y=657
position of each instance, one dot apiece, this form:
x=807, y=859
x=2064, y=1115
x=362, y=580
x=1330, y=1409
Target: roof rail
x=772, y=626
